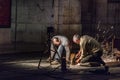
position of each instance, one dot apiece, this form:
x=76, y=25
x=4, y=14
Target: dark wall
x=88, y=16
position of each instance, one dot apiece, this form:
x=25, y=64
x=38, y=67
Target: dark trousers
x=56, y=52
x=93, y=57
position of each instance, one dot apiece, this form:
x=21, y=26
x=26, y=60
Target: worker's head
x=56, y=41
x=76, y=39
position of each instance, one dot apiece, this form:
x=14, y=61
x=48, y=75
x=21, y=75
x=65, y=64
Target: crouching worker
x=59, y=45
x=90, y=51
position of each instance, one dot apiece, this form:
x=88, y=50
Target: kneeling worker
x=90, y=50
x=61, y=45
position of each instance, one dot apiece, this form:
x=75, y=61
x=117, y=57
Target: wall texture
x=30, y=18
x=67, y=17
x=34, y=16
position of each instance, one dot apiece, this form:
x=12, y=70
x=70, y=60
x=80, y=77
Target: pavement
x=20, y=62
x=24, y=66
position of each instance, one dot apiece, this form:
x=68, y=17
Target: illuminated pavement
x=25, y=67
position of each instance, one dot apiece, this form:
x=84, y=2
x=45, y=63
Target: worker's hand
x=77, y=61
x=78, y=55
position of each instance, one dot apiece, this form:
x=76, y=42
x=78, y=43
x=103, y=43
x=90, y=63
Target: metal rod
x=15, y=26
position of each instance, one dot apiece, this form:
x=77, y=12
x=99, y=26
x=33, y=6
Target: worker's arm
x=79, y=56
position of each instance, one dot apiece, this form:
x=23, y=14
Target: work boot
x=55, y=62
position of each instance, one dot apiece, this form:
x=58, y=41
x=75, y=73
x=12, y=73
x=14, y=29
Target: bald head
x=56, y=41
x=76, y=39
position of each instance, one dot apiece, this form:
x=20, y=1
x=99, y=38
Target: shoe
x=49, y=60
x=55, y=62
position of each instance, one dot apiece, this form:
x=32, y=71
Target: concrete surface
x=25, y=67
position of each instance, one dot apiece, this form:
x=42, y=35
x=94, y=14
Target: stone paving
x=26, y=68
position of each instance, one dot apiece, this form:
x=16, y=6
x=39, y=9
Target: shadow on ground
x=24, y=66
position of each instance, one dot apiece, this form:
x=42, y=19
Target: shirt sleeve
x=82, y=46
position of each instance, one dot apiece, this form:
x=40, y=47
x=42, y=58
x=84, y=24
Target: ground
x=25, y=67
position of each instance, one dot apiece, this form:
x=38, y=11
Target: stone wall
x=5, y=36
x=34, y=16
x=66, y=16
